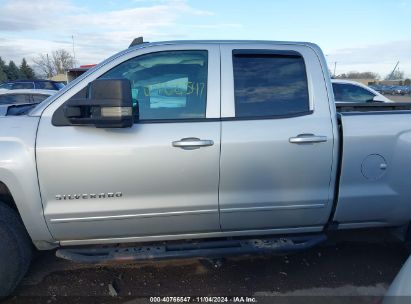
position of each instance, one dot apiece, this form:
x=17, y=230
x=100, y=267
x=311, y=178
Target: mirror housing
x=108, y=104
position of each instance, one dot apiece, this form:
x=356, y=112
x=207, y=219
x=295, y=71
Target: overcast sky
x=359, y=35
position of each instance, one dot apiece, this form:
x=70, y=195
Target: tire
x=15, y=250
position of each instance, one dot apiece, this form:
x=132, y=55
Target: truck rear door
x=277, y=139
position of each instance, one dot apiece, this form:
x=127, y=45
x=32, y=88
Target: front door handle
x=191, y=143
x=307, y=138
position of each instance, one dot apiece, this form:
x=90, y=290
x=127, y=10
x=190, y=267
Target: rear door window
x=351, y=93
x=269, y=84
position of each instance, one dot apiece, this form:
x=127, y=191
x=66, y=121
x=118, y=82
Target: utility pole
x=48, y=67
x=335, y=67
x=74, y=54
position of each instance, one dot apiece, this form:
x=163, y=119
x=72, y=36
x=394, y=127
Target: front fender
x=18, y=172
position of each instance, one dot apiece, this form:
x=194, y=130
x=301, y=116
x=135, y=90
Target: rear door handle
x=307, y=138
x=191, y=143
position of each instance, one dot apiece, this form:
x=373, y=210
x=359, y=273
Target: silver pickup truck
x=198, y=149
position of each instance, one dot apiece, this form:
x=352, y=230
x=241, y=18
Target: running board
x=197, y=249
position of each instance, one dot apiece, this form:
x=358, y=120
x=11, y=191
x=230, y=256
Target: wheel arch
x=7, y=198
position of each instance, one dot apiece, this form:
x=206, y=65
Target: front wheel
x=15, y=250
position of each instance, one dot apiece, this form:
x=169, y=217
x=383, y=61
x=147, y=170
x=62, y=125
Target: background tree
x=13, y=72
x=396, y=75
x=407, y=82
x=3, y=76
x=359, y=75
x=59, y=61
x=62, y=61
x=45, y=65
x=3, y=67
x=26, y=71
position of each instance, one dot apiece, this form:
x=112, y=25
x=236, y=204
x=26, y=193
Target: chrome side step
x=194, y=249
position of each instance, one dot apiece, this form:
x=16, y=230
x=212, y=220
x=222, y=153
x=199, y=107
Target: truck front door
x=158, y=178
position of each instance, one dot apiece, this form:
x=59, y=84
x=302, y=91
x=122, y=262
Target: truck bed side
x=375, y=183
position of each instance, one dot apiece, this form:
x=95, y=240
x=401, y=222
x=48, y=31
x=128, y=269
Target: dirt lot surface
x=349, y=265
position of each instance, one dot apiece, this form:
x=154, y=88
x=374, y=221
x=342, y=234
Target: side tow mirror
x=109, y=105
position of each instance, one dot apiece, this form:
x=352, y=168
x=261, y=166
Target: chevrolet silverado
x=198, y=149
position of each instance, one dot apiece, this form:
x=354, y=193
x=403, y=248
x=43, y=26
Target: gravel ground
x=349, y=265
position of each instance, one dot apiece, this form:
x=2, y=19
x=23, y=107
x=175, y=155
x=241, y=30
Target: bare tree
x=45, y=65
x=59, y=61
x=62, y=61
x=359, y=75
x=396, y=75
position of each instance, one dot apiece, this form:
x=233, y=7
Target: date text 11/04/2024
x=205, y=299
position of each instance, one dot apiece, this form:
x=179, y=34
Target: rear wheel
x=15, y=250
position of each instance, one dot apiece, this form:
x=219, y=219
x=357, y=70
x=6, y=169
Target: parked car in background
x=37, y=84
x=22, y=97
x=380, y=88
x=392, y=90
x=352, y=91
x=401, y=90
